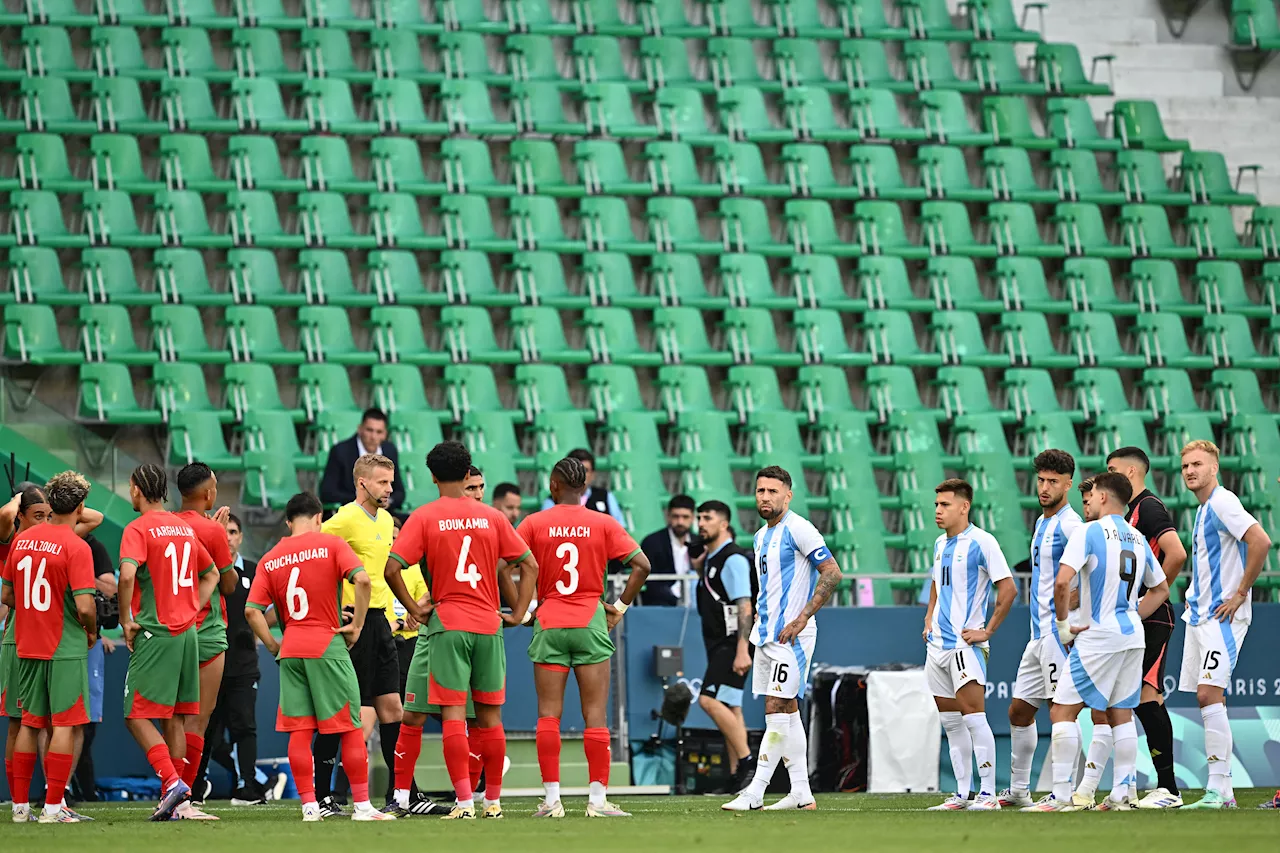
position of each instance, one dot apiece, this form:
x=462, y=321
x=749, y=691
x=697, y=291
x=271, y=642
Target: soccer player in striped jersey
x=1228, y=550
x=1044, y=660
x=797, y=575
x=1104, y=667
x=966, y=562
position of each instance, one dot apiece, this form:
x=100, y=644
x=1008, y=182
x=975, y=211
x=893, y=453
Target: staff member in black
x=727, y=590
x=1150, y=517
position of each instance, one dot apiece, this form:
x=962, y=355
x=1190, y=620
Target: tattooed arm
x=828, y=579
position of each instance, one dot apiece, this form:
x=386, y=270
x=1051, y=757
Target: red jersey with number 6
x=573, y=546
x=462, y=540
x=170, y=559
x=48, y=566
x=302, y=577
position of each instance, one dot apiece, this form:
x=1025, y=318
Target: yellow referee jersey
x=370, y=537
x=417, y=588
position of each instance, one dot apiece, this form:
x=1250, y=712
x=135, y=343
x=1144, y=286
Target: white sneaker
x=1012, y=798
x=953, y=803
x=742, y=803
x=186, y=811
x=791, y=803
x=22, y=814
x=311, y=813
x=369, y=813
x=985, y=803
x=1160, y=798
x=1110, y=805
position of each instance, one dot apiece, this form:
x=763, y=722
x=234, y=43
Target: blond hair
x=370, y=462
x=1201, y=444
x=66, y=491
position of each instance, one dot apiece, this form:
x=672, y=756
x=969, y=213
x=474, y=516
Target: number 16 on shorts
x=782, y=670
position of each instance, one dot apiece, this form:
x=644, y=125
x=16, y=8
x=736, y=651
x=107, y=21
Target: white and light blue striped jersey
x=964, y=567
x=787, y=558
x=1217, y=557
x=1115, y=564
x=1047, y=545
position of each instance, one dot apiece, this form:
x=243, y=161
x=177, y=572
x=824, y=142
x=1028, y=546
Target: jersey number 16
x=37, y=594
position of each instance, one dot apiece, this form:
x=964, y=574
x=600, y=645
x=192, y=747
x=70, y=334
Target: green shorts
x=211, y=637
x=164, y=676
x=8, y=686
x=564, y=648
x=417, y=683
x=461, y=660
x=318, y=693
x=52, y=692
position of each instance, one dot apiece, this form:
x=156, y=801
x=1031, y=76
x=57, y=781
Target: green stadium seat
x=536, y=224
x=259, y=106
x=1008, y=121
x=1230, y=343
x=745, y=282
x=42, y=164
x=959, y=339
x=881, y=230
x=1222, y=290
x=685, y=390
x=1148, y=233
x=1010, y=176
x=1022, y=286
x=258, y=53
x=254, y=335
x=928, y=65
x=397, y=54
x=179, y=276
x=672, y=279
x=954, y=283
x=472, y=388
x=609, y=111
x=890, y=337
x=467, y=167
x=742, y=171
x=931, y=19
x=539, y=334
x=539, y=280
x=1070, y=124
x=198, y=435
x=255, y=163
x=1099, y=391
x=815, y=281
x=327, y=165
x=47, y=107
x=1089, y=286
x=604, y=169
x=1061, y=72
x=188, y=106
x=254, y=277
x=1140, y=176
x=1137, y=124
x=117, y=165
x=171, y=334
x=598, y=59
x=1237, y=392
x=1264, y=230
x=106, y=334
x=253, y=387
x=31, y=337
x=1076, y=178
x=947, y=230
x=398, y=337
x=35, y=218
x=325, y=336
x=1156, y=286
x=395, y=277
x=824, y=392
x=681, y=337
x=118, y=106
x=535, y=169
x=188, y=52
x=866, y=19
x=1032, y=391
x=1015, y=230
x=467, y=277
x=892, y=388
x=745, y=116
x=821, y=338
x=399, y=391
x=47, y=52
x=866, y=66
x=544, y=388
x=180, y=388
x=945, y=174
x=35, y=275
x=1082, y=231
x=1204, y=174
x=732, y=62
x=1163, y=340
x=106, y=396
x=613, y=391
x=1168, y=391
x=108, y=217
x=884, y=281
x=469, y=336
x=945, y=120
x=963, y=392
x=114, y=267
x=1211, y=229
x=874, y=112
x=1027, y=341
x=995, y=19
x=799, y=62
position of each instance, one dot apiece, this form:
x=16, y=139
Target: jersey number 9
x=1128, y=572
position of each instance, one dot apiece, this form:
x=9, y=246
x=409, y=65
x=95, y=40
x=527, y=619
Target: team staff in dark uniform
x=726, y=592
x=1150, y=517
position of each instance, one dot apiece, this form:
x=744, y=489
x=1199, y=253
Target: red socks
x=595, y=743
x=355, y=760
x=457, y=758
x=57, y=769
x=493, y=749
x=158, y=758
x=548, y=741
x=408, y=748
x=302, y=764
x=24, y=765
x=195, y=746
x=476, y=763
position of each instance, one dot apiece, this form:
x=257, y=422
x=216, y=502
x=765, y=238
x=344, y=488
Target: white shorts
x=1043, y=663
x=947, y=670
x=1101, y=680
x=782, y=670
x=1209, y=654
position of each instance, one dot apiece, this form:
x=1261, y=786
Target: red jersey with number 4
x=302, y=577
x=48, y=566
x=213, y=536
x=573, y=546
x=462, y=541
x=170, y=559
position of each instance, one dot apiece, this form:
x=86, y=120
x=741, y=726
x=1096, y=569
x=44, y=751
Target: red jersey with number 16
x=48, y=566
x=573, y=546
x=169, y=558
x=302, y=576
x=462, y=540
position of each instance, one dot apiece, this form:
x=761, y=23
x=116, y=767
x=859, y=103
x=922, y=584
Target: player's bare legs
x=1100, y=747
x=550, y=681
x=730, y=723
x=593, y=687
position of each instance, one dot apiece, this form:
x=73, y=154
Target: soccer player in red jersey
x=199, y=489
x=48, y=581
x=463, y=541
x=573, y=546
x=302, y=578
x=166, y=578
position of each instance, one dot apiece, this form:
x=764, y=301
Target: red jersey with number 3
x=170, y=561
x=213, y=536
x=462, y=541
x=573, y=546
x=302, y=577
x=48, y=566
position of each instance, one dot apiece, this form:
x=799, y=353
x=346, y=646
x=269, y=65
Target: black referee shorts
x=375, y=658
x=1156, y=654
x=720, y=681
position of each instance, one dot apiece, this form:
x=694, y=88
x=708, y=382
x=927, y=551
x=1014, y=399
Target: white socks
x=797, y=759
x=553, y=791
x=1024, y=740
x=1099, y=752
x=773, y=746
x=595, y=795
x=1125, y=772
x=1063, y=751
x=961, y=747
x=402, y=797
x=984, y=752
x=1217, y=748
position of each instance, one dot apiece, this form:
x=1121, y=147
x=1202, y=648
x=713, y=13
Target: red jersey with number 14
x=573, y=546
x=48, y=566
x=170, y=559
x=302, y=577
x=213, y=536
x=462, y=541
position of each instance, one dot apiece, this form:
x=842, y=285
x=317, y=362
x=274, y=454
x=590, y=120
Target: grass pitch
x=869, y=822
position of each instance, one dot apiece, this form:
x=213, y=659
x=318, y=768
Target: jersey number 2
x=37, y=594
x=181, y=573
x=569, y=553
x=466, y=572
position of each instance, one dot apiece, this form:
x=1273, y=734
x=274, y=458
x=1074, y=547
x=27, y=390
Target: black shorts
x=375, y=658
x=404, y=651
x=720, y=681
x=1156, y=655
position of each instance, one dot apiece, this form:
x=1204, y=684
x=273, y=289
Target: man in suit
x=670, y=551
x=337, y=485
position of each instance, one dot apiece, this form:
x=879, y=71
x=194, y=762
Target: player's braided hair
x=152, y=481
x=66, y=492
x=571, y=473
x=31, y=495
